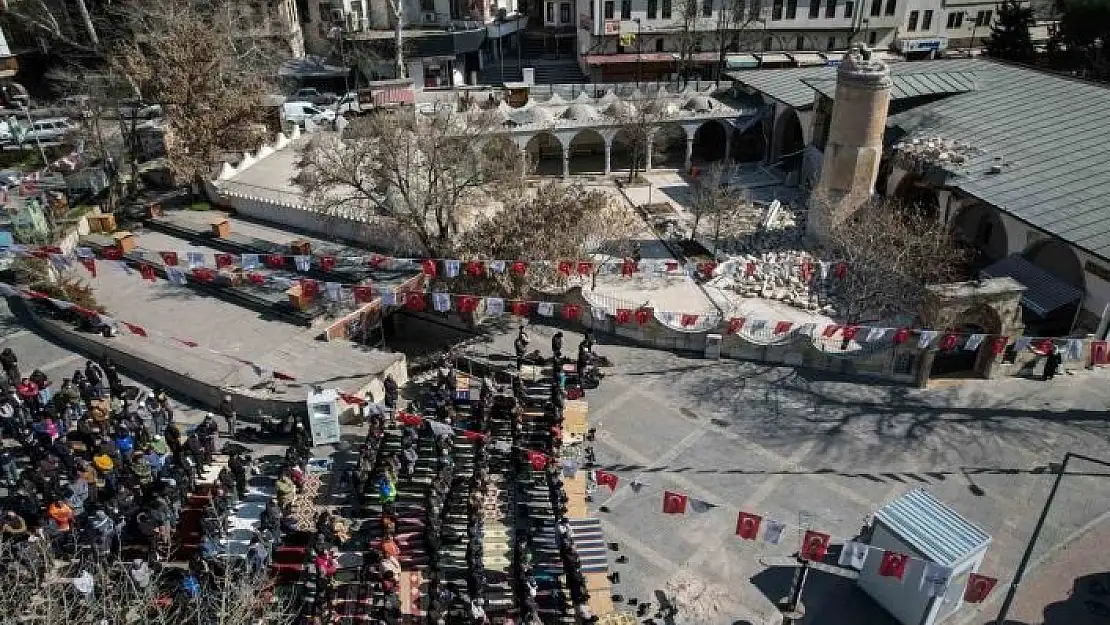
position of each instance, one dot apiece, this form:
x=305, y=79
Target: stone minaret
x=855, y=145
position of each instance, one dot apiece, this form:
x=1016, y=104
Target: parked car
x=312, y=95
x=6, y=135
x=75, y=106
x=135, y=109
x=49, y=129
x=298, y=112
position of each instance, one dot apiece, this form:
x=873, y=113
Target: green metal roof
x=909, y=85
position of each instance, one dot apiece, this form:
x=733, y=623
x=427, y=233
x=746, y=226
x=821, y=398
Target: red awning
x=393, y=96
x=647, y=57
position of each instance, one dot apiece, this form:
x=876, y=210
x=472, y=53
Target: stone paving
x=802, y=446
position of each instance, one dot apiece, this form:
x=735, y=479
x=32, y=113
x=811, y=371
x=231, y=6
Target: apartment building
x=616, y=36
x=445, y=42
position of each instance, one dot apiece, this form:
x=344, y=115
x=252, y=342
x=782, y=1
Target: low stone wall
x=164, y=374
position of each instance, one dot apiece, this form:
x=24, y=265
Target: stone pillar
x=648, y=146
x=855, y=146
x=689, y=152
x=608, y=156
x=566, y=160
x=524, y=161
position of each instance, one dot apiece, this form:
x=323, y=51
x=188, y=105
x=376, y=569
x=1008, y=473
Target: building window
x=814, y=9
x=830, y=9
x=876, y=8
x=849, y=8
x=982, y=18
x=666, y=9
x=800, y=43
x=564, y=12
x=592, y=10
x=891, y=5
x=659, y=45
x=927, y=20
x=550, y=12
x=754, y=10
x=428, y=5
x=872, y=38
x=776, y=10
x=791, y=9
x=653, y=9
x=626, y=9
x=911, y=25
x=707, y=8
x=831, y=44
x=956, y=19
x=608, y=9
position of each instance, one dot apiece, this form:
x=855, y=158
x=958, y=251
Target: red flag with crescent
x=900, y=336
x=147, y=272
x=688, y=320
x=643, y=315
x=476, y=268
x=275, y=261
x=604, y=478
x=815, y=545
x=585, y=268
x=538, y=460
x=521, y=308
x=224, y=260
x=893, y=564
x=782, y=327
x=628, y=267
x=565, y=267
x=674, y=503
x=747, y=525
x=519, y=268
x=327, y=263
x=414, y=301
x=623, y=316
x=999, y=343
x=978, y=587
x=363, y=294
x=169, y=258
x=571, y=312
x=112, y=253
x=735, y=325
x=948, y=342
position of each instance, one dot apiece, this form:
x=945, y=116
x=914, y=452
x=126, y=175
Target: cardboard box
x=221, y=228
x=125, y=241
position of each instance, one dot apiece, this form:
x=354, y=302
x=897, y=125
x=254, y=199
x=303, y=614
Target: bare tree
x=398, y=8
x=890, y=253
x=191, y=58
x=432, y=173
x=688, y=37
x=637, y=122
x=48, y=20
x=713, y=197
x=733, y=26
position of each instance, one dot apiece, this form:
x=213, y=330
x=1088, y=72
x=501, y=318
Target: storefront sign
x=923, y=45
x=612, y=27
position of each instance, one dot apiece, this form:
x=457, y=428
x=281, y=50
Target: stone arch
x=749, y=146
x=1058, y=259
x=545, y=153
x=711, y=139
x=587, y=152
x=789, y=138
x=621, y=150
x=668, y=146
x=981, y=227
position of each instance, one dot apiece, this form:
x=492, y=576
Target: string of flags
x=7, y=290
x=815, y=546
x=807, y=269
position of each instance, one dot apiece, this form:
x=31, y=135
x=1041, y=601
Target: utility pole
x=792, y=609
x=639, y=49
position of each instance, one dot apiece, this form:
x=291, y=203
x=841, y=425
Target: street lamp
x=639, y=49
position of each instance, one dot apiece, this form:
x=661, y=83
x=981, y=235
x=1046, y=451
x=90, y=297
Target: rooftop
x=932, y=528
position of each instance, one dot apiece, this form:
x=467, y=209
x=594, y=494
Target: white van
x=298, y=112
x=49, y=129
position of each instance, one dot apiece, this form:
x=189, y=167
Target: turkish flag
x=672, y=265
x=893, y=564
x=900, y=336
x=275, y=260
x=674, y=503
x=147, y=272
x=628, y=267
x=735, y=325
x=538, y=460
x=377, y=260
x=428, y=266
x=782, y=327
x=840, y=270
x=256, y=278
x=204, y=274
x=948, y=342
x=749, y=271
x=747, y=525
x=327, y=263
x=90, y=264
x=829, y=331
x=815, y=545
x=978, y=587
x=571, y=312
x=310, y=288
x=283, y=376
x=224, y=260
x=850, y=332
x=565, y=267
x=688, y=320
x=604, y=478
x=585, y=268
x=476, y=268
x=623, y=316
x=112, y=253
x=521, y=308
x=363, y=294
x=135, y=329
x=169, y=258
x=1044, y=346
x=352, y=399
x=643, y=315
x=471, y=435
x=998, y=345
x=706, y=268
x=519, y=268
x=409, y=418
x=807, y=270
x=414, y=301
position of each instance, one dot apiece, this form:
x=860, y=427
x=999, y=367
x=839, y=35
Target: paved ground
x=802, y=447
